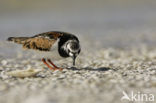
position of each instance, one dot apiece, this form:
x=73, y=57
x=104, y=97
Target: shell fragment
x=24, y=73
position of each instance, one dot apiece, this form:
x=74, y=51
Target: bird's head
x=73, y=49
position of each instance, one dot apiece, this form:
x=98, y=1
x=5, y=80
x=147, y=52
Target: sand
x=100, y=76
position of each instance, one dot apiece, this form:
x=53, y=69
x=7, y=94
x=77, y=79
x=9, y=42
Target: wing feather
x=39, y=43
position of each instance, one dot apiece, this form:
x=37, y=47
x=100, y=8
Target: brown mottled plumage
x=42, y=42
x=38, y=43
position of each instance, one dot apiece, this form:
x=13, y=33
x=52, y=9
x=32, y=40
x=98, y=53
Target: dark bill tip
x=74, y=58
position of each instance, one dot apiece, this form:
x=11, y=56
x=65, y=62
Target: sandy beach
x=99, y=78
x=117, y=63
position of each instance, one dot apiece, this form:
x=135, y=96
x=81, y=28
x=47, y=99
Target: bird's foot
x=58, y=68
x=50, y=67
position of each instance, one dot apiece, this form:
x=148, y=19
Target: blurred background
x=109, y=23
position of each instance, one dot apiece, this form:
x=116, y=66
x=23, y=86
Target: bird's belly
x=52, y=54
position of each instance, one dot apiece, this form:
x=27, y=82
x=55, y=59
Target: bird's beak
x=74, y=57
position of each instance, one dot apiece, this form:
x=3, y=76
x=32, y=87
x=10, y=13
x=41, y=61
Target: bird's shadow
x=90, y=69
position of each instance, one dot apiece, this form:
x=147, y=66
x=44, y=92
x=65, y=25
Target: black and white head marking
x=69, y=46
x=72, y=47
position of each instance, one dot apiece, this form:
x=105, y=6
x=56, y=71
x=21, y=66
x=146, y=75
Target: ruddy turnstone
x=68, y=45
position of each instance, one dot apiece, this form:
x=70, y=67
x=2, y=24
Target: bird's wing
x=39, y=43
x=43, y=41
x=50, y=35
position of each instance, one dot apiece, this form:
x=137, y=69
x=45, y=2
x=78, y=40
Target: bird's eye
x=74, y=46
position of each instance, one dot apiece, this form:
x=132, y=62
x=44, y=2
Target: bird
x=68, y=45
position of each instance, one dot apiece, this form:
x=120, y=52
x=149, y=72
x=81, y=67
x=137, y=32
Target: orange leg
x=55, y=67
x=52, y=63
x=44, y=61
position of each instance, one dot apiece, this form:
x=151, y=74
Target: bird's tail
x=19, y=40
